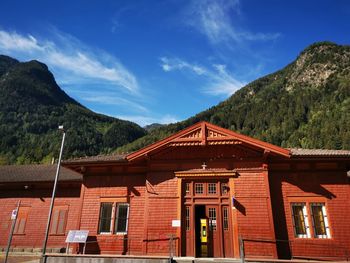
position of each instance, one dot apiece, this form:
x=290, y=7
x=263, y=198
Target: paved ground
x=19, y=259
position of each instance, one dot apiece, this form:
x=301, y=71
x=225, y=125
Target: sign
x=77, y=236
x=14, y=214
x=176, y=223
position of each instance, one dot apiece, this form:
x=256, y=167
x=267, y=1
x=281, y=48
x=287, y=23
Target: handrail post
x=241, y=249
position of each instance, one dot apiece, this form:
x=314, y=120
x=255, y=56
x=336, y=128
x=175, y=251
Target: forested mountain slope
x=32, y=106
x=306, y=104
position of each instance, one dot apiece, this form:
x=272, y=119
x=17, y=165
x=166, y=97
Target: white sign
x=77, y=236
x=176, y=223
x=14, y=214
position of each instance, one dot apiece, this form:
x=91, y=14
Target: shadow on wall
x=307, y=183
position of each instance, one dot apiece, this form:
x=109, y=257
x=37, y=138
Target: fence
x=124, y=245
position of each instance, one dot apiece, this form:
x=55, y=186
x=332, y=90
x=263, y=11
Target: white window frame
x=117, y=218
x=325, y=220
x=114, y=218
x=306, y=220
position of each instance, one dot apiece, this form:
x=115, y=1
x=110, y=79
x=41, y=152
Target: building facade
x=205, y=191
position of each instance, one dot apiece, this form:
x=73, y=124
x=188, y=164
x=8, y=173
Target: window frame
x=201, y=186
x=325, y=220
x=22, y=215
x=60, y=209
x=117, y=218
x=114, y=218
x=305, y=220
x=309, y=202
x=212, y=186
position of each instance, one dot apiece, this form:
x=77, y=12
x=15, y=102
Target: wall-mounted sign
x=14, y=214
x=176, y=223
x=77, y=236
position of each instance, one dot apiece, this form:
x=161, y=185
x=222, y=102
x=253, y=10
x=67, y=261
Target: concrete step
x=205, y=260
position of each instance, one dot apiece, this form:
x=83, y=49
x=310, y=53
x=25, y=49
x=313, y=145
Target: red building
x=210, y=190
x=32, y=186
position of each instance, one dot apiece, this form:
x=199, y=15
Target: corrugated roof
x=97, y=158
x=36, y=173
x=319, y=152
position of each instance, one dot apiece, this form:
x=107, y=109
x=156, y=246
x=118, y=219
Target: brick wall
x=253, y=218
x=38, y=201
x=132, y=187
x=330, y=187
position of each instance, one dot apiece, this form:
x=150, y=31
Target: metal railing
x=95, y=244
x=297, y=248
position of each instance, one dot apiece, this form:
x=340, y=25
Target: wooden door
x=214, y=237
x=226, y=230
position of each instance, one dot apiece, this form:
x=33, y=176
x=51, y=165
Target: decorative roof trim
x=204, y=133
x=206, y=173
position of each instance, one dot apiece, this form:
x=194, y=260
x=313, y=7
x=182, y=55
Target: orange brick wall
x=39, y=204
x=253, y=218
x=331, y=187
x=162, y=209
x=153, y=205
x=131, y=186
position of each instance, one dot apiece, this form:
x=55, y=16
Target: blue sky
x=164, y=61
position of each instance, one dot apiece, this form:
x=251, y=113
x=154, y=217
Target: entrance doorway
x=202, y=232
x=207, y=244
x=207, y=230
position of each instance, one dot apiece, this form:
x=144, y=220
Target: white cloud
x=220, y=81
x=178, y=64
x=65, y=56
x=108, y=98
x=214, y=20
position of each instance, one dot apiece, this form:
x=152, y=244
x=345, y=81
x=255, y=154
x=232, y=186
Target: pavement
x=20, y=259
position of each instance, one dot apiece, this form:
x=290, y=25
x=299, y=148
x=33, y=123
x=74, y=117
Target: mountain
x=32, y=106
x=152, y=126
x=306, y=104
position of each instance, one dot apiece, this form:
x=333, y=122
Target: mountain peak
x=6, y=63
x=318, y=62
x=32, y=106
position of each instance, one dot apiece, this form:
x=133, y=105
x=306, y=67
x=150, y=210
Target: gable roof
x=319, y=153
x=36, y=173
x=204, y=133
x=107, y=158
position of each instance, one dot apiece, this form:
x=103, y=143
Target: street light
x=53, y=192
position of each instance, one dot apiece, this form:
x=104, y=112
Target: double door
x=207, y=231
x=208, y=234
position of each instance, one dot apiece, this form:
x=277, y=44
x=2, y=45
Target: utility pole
x=14, y=220
x=53, y=193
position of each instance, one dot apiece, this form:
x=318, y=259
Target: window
x=212, y=218
x=319, y=220
x=21, y=220
x=187, y=190
x=212, y=188
x=198, y=188
x=113, y=218
x=300, y=220
x=225, y=217
x=121, y=221
x=59, y=219
x=105, y=218
x=187, y=218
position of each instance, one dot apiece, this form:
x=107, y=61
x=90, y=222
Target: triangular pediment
x=204, y=133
